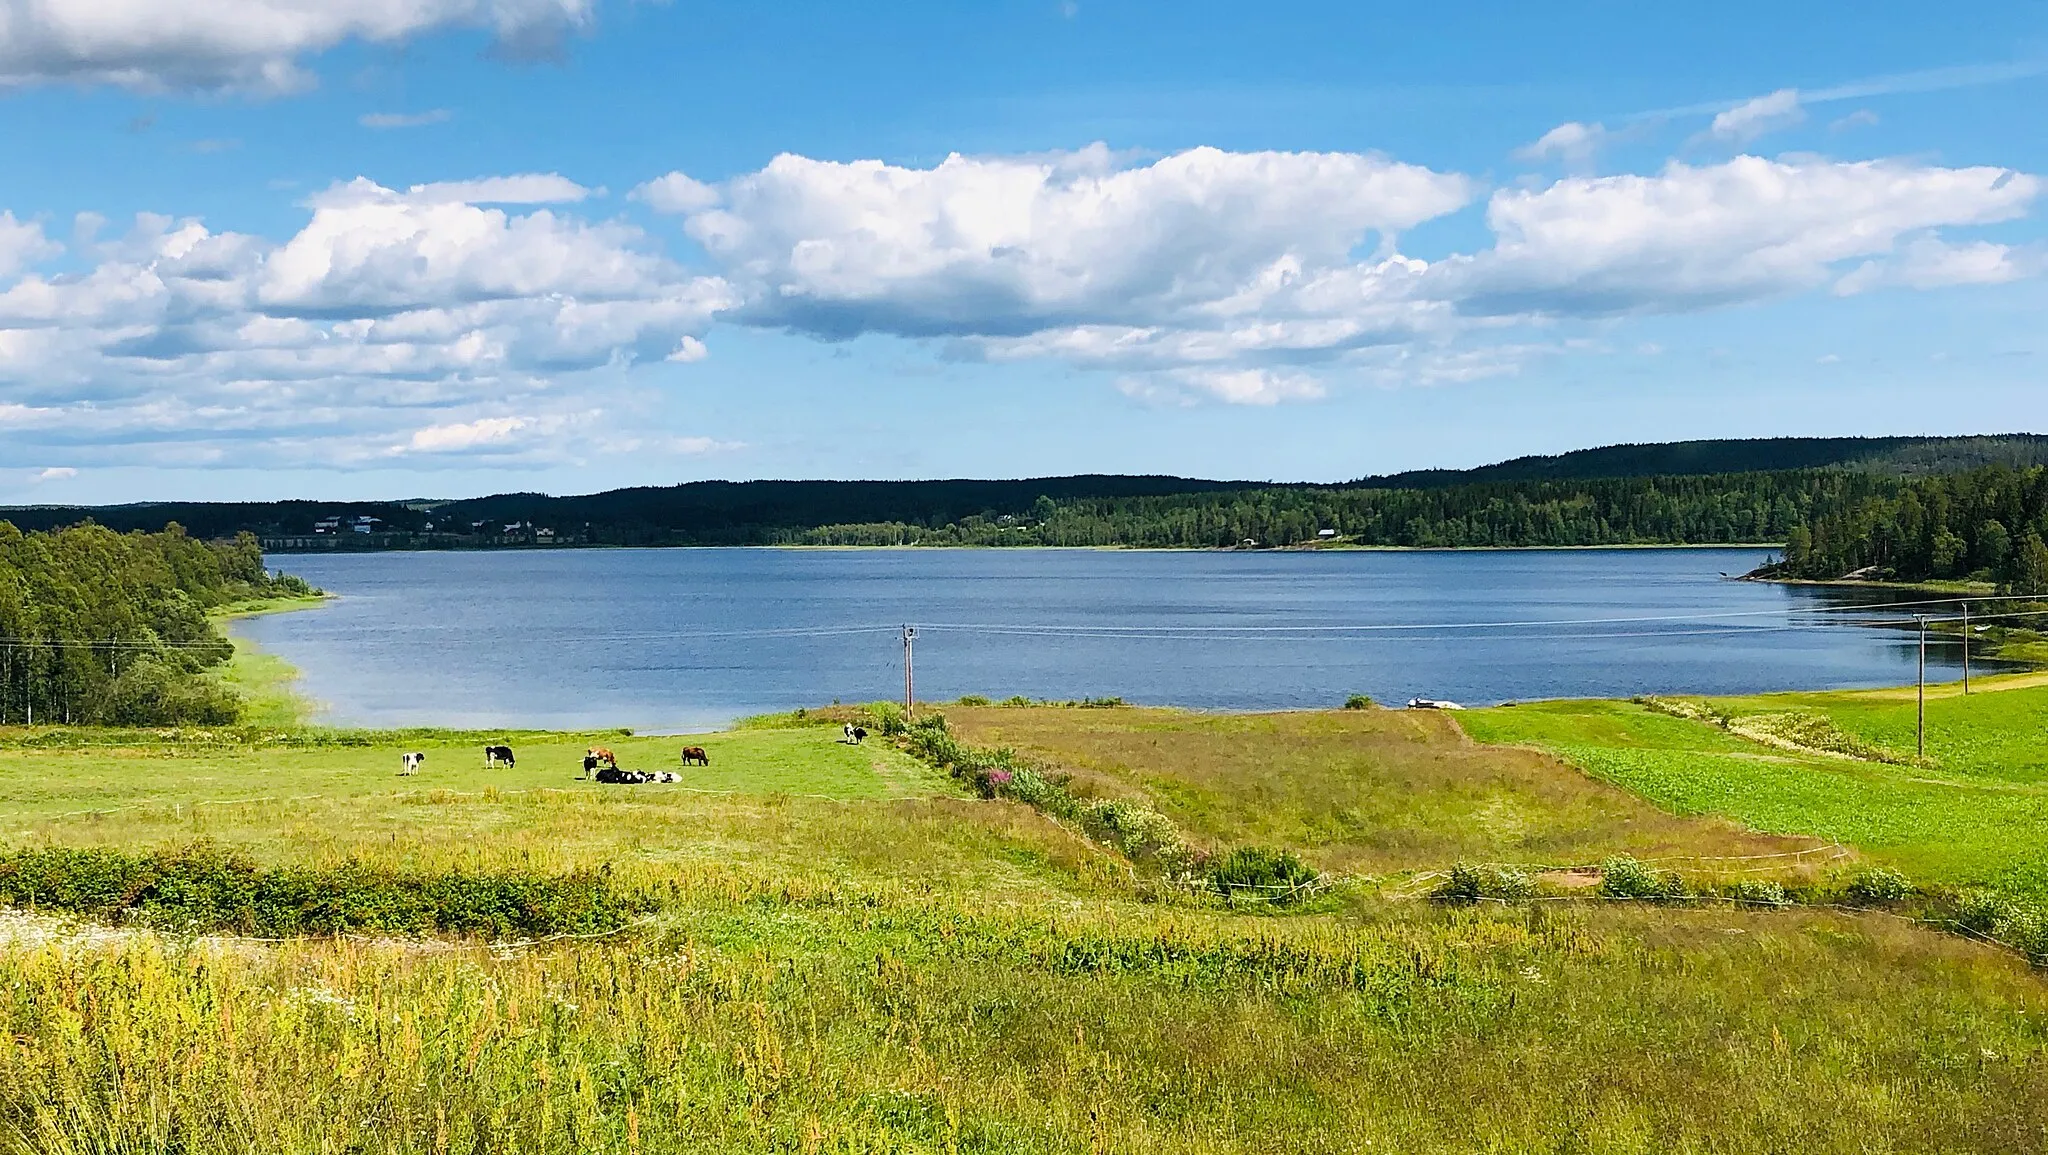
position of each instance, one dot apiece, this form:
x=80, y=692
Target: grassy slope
x=265, y=681
x=1356, y=790
x=893, y=968
x=1977, y=812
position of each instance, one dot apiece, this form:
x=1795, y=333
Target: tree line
x=1981, y=525
x=105, y=627
x=1751, y=507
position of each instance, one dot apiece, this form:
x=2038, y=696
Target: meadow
x=1972, y=812
x=847, y=951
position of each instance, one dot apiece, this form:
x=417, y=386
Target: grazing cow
x=496, y=754
x=695, y=754
x=412, y=763
x=859, y=735
x=603, y=755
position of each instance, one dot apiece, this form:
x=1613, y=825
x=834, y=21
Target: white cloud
x=403, y=119
x=1002, y=247
x=1861, y=118
x=1571, y=142
x=1754, y=118
x=1694, y=237
x=1930, y=263
x=689, y=349
x=369, y=251
x=460, y=437
x=675, y=193
x=54, y=473
x=22, y=244
x=249, y=45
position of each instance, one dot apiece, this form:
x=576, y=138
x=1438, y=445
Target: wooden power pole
x=909, y=692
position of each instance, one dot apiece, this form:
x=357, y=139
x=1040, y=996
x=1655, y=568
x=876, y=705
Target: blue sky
x=268, y=248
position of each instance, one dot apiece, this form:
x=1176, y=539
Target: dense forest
x=1983, y=525
x=1614, y=494
x=99, y=626
x=1754, y=507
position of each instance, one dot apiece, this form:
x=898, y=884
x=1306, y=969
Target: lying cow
x=412, y=762
x=695, y=754
x=616, y=776
x=493, y=755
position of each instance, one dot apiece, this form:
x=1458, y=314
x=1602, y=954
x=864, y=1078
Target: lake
x=679, y=639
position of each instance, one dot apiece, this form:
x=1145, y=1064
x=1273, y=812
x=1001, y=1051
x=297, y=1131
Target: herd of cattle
x=599, y=764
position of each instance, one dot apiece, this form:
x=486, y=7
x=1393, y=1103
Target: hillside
x=1681, y=492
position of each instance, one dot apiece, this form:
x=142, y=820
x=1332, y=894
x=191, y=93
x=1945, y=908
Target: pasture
x=1974, y=812
x=850, y=954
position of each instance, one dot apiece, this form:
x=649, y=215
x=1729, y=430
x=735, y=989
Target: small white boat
x=1432, y=704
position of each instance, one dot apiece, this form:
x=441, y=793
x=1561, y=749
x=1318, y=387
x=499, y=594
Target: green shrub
x=888, y=718
x=973, y=700
x=1359, y=702
x=1262, y=872
x=1015, y=700
x=1470, y=883
x=1762, y=892
x=1625, y=877
x=201, y=888
x=1879, y=884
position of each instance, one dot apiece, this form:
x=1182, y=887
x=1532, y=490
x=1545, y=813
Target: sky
x=256, y=249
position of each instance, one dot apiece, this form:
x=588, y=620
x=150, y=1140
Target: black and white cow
x=412, y=762
x=496, y=754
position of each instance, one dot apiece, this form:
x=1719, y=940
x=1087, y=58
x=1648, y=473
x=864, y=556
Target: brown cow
x=602, y=755
x=695, y=754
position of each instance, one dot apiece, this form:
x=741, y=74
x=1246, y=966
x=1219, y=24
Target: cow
x=666, y=776
x=859, y=735
x=590, y=765
x=496, y=754
x=614, y=775
x=697, y=755
x=412, y=762
x=847, y=731
x=602, y=755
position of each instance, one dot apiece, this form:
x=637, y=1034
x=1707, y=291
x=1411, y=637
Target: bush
x=887, y=719
x=1015, y=700
x=973, y=700
x=1879, y=884
x=200, y=888
x=1274, y=875
x=1470, y=883
x=1139, y=834
x=1624, y=877
x=1359, y=702
x=1762, y=892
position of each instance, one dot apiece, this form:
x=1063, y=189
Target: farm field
x=1974, y=812
x=852, y=954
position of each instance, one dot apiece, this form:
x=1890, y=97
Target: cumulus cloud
x=438, y=322
x=463, y=436
x=22, y=244
x=675, y=193
x=248, y=45
x=1930, y=263
x=1008, y=246
x=1692, y=237
x=54, y=473
x=1754, y=118
x=175, y=342
x=1570, y=142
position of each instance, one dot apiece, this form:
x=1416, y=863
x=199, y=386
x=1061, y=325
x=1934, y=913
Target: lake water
x=679, y=639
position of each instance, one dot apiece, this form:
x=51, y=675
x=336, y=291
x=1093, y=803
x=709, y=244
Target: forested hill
x=1980, y=525
x=98, y=626
x=1895, y=456
x=1683, y=492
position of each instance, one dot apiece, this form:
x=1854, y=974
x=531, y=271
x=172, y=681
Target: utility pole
x=1966, y=647
x=1920, y=723
x=909, y=695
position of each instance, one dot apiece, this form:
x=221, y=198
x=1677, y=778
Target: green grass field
x=850, y=954
x=1974, y=812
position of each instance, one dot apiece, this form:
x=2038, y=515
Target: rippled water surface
x=691, y=638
